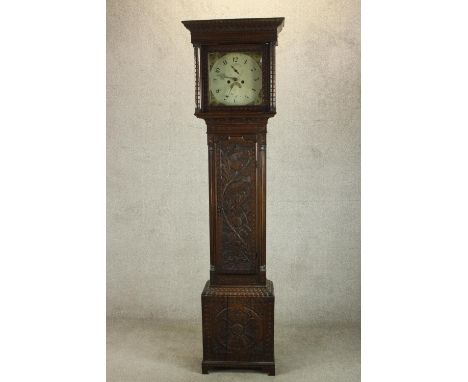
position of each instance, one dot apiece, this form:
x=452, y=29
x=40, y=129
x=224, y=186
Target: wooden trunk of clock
x=238, y=300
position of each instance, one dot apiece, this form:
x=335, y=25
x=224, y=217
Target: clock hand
x=235, y=69
x=224, y=76
x=230, y=90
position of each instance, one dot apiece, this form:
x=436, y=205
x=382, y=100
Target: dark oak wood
x=238, y=300
x=238, y=327
x=227, y=31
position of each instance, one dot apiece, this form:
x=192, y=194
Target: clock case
x=238, y=300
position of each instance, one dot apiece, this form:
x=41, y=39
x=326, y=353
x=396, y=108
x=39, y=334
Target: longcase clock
x=235, y=95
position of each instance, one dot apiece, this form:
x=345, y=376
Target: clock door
x=236, y=205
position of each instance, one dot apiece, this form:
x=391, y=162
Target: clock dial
x=235, y=79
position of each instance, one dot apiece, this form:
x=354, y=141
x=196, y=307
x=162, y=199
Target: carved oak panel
x=236, y=201
x=238, y=324
x=238, y=329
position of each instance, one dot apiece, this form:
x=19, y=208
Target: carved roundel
x=238, y=328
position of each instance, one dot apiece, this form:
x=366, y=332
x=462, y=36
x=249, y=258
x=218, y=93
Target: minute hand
x=230, y=90
x=235, y=69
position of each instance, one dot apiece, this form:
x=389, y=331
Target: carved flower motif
x=238, y=328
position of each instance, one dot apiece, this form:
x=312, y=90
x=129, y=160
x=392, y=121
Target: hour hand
x=233, y=68
x=222, y=75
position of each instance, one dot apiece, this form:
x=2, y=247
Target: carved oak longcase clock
x=235, y=95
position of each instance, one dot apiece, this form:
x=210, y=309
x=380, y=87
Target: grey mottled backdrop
x=158, y=244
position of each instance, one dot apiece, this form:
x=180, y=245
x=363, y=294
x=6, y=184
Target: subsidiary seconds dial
x=236, y=80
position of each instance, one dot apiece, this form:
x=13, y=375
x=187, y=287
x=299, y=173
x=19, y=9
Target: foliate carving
x=236, y=200
x=238, y=328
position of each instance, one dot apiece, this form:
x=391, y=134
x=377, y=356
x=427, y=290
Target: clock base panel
x=238, y=327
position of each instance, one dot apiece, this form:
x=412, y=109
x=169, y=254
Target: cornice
x=244, y=25
x=230, y=31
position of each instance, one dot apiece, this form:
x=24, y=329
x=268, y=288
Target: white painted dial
x=236, y=80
